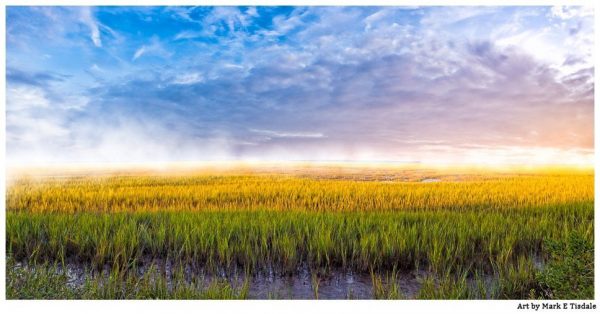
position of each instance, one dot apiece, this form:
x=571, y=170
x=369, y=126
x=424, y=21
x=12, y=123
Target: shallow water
x=337, y=284
x=269, y=284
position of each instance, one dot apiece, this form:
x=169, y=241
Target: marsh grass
x=388, y=287
x=458, y=232
x=439, y=242
x=282, y=193
x=569, y=273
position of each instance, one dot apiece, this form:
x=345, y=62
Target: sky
x=403, y=84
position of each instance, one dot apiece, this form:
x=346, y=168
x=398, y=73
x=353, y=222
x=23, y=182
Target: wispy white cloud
x=188, y=34
x=440, y=17
x=138, y=53
x=88, y=19
x=155, y=47
x=188, y=78
x=280, y=134
x=569, y=12
x=24, y=97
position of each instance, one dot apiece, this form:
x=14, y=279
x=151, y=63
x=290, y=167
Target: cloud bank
x=433, y=84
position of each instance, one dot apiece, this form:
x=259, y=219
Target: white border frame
x=264, y=306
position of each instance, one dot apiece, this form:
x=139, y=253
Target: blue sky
x=430, y=84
